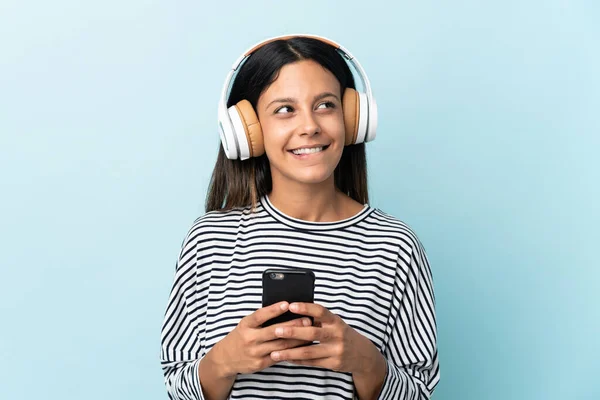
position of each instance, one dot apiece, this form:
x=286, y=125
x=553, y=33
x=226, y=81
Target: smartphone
x=291, y=285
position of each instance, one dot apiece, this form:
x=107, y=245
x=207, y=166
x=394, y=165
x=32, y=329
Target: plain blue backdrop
x=487, y=147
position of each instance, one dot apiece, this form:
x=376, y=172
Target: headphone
x=240, y=130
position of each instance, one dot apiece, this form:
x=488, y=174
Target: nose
x=309, y=125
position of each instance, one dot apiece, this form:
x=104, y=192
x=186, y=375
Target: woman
x=298, y=198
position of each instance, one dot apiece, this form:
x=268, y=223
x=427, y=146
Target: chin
x=312, y=177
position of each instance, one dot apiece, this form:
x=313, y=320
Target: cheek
x=339, y=136
x=335, y=126
x=275, y=135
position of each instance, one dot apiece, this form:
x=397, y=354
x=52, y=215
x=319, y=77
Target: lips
x=307, y=150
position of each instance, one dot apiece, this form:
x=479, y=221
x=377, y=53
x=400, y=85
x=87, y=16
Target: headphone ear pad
x=252, y=128
x=351, y=108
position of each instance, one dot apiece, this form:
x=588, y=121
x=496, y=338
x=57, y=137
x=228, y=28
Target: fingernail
x=279, y=331
x=306, y=322
x=284, y=306
x=294, y=307
x=275, y=355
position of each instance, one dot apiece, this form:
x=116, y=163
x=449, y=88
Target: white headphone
x=241, y=133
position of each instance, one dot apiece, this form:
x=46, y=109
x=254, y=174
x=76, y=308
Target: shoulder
x=412, y=256
x=212, y=225
x=218, y=221
x=396, y=228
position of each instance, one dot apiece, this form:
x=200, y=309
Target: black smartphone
x=291, y=285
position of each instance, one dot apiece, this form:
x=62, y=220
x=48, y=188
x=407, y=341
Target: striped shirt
x=370, y=269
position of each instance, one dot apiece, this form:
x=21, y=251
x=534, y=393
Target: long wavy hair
x=236, y=183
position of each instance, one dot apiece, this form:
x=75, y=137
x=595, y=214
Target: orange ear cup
x=351, y=104
x=252, y=128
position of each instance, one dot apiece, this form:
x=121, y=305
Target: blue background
x=487, y=146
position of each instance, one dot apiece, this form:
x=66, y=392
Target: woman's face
x=303, y=125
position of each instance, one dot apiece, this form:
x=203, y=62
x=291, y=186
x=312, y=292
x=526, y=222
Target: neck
x=320, y=202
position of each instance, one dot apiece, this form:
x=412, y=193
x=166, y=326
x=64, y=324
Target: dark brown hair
x=236, y=183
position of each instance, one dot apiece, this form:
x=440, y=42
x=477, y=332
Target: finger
x=263, y=363
x=294, y=322
x=309, y=333
x=268, y=333
x=314, y=352
x=265, y=349
x=262, y=315
x=312, y=310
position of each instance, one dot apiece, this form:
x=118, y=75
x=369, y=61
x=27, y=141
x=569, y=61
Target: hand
x=247, y=348
x=340, y=348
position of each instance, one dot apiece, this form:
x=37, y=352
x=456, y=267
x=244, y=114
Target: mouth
x=305, y=152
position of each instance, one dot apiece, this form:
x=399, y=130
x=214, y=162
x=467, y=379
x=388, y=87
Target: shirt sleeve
x=411, y=351
x=181, y=342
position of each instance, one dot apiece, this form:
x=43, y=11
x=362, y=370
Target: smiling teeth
x=307, y=151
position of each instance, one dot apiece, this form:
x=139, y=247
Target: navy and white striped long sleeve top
x=370, y=269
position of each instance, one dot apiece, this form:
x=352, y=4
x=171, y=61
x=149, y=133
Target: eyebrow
x=293, y=100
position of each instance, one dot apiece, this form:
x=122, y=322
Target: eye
x=328, y=104
x=284, y=110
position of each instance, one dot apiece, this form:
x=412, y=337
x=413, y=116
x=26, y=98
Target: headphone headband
x=364, y=135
